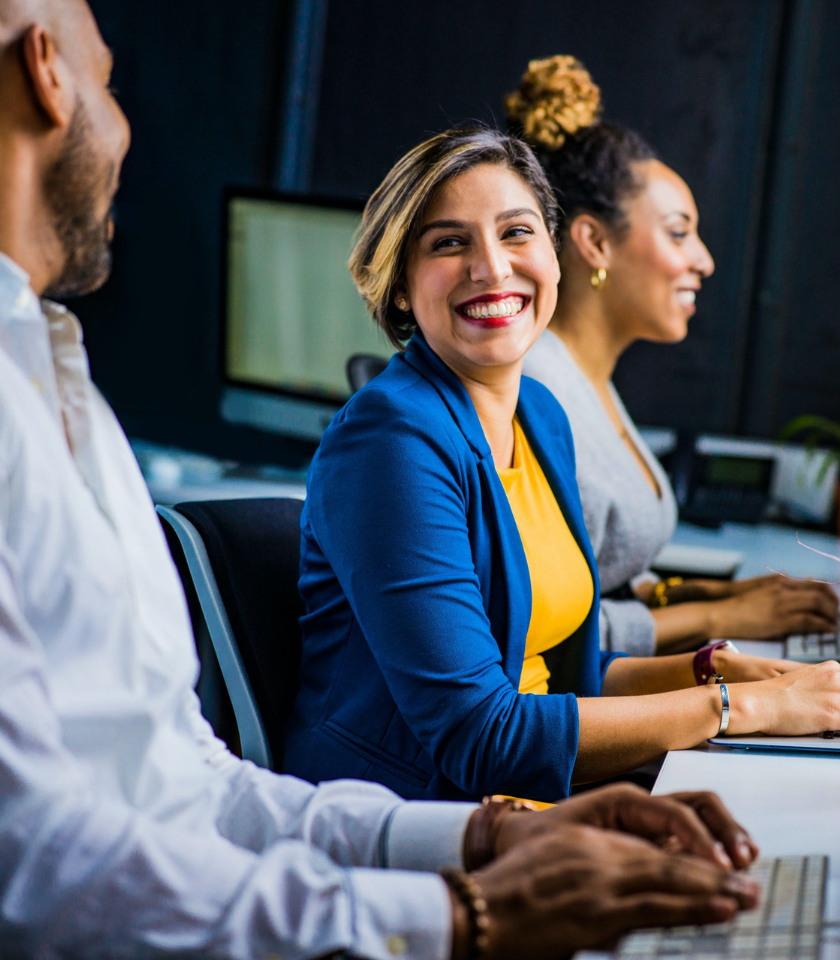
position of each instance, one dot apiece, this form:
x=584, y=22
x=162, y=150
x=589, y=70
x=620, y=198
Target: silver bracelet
x=724, y=712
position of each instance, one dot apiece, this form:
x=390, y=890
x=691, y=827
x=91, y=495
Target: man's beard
x=72, y=191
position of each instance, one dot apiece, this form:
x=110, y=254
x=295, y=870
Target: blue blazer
x=418, y=599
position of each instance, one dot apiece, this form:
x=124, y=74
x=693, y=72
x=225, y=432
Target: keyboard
x=788, y=923
x=812, y=647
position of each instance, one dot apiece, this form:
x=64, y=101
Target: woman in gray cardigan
x=632, y=264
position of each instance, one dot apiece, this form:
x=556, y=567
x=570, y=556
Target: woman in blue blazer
x=414, y=576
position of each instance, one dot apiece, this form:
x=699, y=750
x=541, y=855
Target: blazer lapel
x=426, y=362
x=509, y=620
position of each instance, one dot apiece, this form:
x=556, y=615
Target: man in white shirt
x=126, y=828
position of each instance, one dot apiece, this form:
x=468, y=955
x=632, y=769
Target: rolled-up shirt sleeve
x=83, y=875
x=627, y=627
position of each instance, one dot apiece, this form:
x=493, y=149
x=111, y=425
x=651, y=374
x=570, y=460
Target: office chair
x=362, y=368
x=243, y=558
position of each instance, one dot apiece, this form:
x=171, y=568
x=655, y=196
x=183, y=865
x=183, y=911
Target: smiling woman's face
x=656, y=271
x=481, y=278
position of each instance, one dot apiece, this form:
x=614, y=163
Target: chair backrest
x=254, y=550
x=362, y=368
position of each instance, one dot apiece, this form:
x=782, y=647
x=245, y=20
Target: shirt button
x=397, y=945
x=22, y=299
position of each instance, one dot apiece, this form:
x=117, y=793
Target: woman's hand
x=774, y=606
x=742, y=667
x=698, y=823
x=797, y=703
x=582, y=888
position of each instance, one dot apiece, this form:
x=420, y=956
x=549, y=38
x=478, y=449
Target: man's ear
x=48, y=76
x=592, y=240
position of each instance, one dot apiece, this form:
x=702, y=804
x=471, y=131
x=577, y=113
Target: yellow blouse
x=561, y=582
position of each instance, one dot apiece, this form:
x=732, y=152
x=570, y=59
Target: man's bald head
x=65, y=21
x=67, y=26
x=62, y=141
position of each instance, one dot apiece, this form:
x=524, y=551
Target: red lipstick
x=479, y=310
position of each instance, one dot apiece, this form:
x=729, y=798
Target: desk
x=789, y=802
x=175, y=476
x=767, y=545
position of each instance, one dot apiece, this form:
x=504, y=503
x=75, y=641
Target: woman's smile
x=481, y=277
x=686, y=297
x=494, y=310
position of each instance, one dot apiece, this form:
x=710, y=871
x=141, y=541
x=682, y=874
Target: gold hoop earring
x=597, y=277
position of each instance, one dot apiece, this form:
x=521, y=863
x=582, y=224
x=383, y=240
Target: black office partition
x=696, y=78
x=794, y=366
x=211, y=88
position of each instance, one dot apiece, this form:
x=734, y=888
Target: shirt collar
x=17, y=298
x=44, y=340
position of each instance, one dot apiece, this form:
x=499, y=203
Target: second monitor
x=292, y=315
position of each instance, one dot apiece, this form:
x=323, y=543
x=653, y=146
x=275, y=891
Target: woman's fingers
x=815, y=598
x=809, y=702
x=809, y=623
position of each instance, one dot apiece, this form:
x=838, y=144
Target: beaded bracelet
x=479, y=842
x=467, y=890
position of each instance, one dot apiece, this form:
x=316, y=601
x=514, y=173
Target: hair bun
x=556, y=98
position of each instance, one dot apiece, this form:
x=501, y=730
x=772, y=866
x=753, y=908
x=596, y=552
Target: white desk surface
x=790, y=803
x=227, y=489
x=768, y=545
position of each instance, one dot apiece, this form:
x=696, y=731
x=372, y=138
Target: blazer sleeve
x=388, y=505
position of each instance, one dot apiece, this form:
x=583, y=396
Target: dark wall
x=202, y=83
x=694, y=77
x=197, y=80
x=796, y=354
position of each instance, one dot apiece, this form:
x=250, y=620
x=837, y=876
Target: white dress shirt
x=126, y=828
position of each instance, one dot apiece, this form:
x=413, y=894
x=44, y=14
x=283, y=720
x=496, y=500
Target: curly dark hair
x=589, y=163
x=593, y=173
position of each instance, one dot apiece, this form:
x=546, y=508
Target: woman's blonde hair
x=394, y=212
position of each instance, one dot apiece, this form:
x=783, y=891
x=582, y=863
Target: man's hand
x=578, y=887
x=697, y=823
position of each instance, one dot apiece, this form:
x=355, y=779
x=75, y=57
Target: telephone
x=714, y=488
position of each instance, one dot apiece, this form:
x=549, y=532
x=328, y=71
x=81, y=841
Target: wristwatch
x=703, y=660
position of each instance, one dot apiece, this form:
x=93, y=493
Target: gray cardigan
x=626, y=521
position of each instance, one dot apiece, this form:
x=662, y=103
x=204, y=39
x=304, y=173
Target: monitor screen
x=293, y=314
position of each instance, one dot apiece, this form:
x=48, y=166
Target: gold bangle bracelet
x=660, y=597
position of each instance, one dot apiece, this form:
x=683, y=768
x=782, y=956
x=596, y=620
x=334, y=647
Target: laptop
x=819, y=743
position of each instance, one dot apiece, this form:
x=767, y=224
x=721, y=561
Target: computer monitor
x=292, y=315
